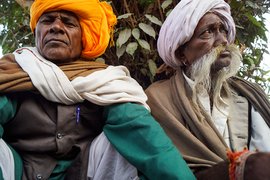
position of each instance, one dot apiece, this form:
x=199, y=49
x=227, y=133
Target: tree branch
x=25, y=3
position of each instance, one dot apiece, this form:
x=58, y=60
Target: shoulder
x=158, y=87
x=8, y=57
x=241, y=84
x=159, y=93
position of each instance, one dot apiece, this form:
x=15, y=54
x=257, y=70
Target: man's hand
x=257, y=167
x=219, y=171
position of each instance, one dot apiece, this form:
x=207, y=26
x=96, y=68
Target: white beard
x=201, y=74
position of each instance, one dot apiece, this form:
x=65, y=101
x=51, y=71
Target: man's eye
x=46, y=20
x=224, y=31
x=69, y=24
x=207, y=33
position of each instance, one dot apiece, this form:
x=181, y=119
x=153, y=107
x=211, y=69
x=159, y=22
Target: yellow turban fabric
x=96, y=19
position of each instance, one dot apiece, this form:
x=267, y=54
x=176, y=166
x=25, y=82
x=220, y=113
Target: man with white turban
x=57, y=105
x=210, y=115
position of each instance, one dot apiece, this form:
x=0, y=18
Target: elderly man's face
x=58, y=36
x=209, y=33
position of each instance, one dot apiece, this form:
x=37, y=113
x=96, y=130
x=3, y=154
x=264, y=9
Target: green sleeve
x=18, y=164
x=141, y=140
x=7, y=111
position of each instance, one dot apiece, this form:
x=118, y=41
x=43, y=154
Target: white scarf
x=6, y=161
x=104, y=87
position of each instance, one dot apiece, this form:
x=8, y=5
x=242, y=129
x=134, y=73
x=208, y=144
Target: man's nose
x=221, y=39
x=57, y=27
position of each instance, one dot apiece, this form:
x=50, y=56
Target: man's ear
x=179, y=53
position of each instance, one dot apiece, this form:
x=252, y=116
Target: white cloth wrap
x=179, y=26
x=7, y=165
x=105, y=163
x=104, y=87
x=260, y=133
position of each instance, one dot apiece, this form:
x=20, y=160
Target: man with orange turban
x=58, y=106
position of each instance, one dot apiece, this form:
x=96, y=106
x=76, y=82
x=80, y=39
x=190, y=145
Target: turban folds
x=179, y=26
x=96, y=20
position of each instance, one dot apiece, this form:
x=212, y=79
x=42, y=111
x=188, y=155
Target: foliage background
x=137, y=30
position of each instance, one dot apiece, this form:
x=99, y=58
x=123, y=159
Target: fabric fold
x=196, y=137
x=103, y=87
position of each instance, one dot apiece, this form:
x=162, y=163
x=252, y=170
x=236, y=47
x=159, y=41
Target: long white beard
x=201, y=74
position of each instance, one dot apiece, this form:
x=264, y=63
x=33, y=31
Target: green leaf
x=266, y=72
x=165, y=4
x=120, y=51
x=148, y=29
x=239, y=27
x=145, y=3
x=4, y=40
x=136, y=33
x=131, y=48
x=101, y=60
x=167, y=14
x=252, y=5
x=123, y=37
x=249, y=61
x=124, y=16
x=144, y=71
x=144, y=44
x=152, y=67
x=153, y=19
x=253, y=20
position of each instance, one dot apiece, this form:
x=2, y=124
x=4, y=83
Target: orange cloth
x=237, y=163
x=96, y=19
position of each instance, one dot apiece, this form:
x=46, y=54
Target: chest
x=41, y=125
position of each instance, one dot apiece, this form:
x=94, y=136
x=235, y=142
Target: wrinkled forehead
x=60, y=13
x=210, y=19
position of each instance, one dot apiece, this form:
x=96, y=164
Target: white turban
x=179, y=26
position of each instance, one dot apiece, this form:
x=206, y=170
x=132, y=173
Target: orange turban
x=96, y=19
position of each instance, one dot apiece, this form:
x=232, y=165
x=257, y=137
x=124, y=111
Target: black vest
x=43, y=132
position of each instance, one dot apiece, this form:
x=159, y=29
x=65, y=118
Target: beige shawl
x=13, y=78
x=196, y=136
x=104, y=87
